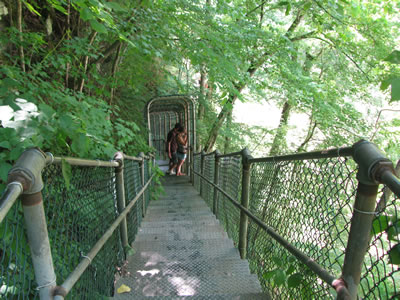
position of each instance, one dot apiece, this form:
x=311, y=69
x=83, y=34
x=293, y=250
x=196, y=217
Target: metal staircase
x=181, y=252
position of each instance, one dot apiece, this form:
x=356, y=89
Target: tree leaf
x=129, y=250
x=31, y=8
x=386, y=83
x=100, y=28
x=269, y=274
x=278, y=261
x=4, y=168
x=80, y=144
x=288, y=8
x=114, y=6
x=66, y=172
x=393, y=231
x=280, y=277
x=394, y=255
x=380, y=224
x=395, y=95
x=123, y=289
x=290, y=270
x=87, y=14
x=393, y=57
x=5, y=144
x=295, y=280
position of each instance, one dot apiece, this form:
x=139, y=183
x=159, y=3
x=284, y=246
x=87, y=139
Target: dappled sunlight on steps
x=182, y=252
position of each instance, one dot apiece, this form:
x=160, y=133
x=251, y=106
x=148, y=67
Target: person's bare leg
x=179, y=168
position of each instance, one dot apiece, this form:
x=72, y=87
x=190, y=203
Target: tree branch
x=86, y=60
x=311, y=130
x=110, y=50
x=377, y=120
x=21, y=48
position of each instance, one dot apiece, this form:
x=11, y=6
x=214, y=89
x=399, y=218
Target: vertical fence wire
x=79, y=210
x=209, y=162
x=308, y=203
x=133, y=184
x=146, y=178
x=17, y=279
x=197, y=168
x=230, y=181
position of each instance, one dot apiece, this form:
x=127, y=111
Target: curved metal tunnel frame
x=162, y=113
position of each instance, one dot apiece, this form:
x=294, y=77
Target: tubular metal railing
x=306, y=221
x=72, y=208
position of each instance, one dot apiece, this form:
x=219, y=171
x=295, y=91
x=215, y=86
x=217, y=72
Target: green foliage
x=284, y=273
x=394, y=255
x=394, y=79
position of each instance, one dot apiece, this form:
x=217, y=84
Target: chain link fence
x=380, y=277
x=197, y=168
x=133, y=184
x=80, y=204
x=208, y=189
x=309, y=202
x=230, y=182
x=16, y=272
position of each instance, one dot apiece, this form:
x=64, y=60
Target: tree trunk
x=279, y=142
x=201, y=104
x=113, y=72
x=212, y=137
x=228, y=139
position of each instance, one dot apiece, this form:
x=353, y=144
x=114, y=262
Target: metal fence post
x=27, y=170
x=216, y=180
x=191, y=165
x=141, y=154
x=371, y=164
x=202, y=163
x=119, y=156
x=245, y=202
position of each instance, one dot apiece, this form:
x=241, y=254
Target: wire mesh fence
x=309, y=202
x=133, y=184
x=208, y=189
x=380, y=277
x=197, y=168
x=16, y=272
x=78, y=213
x=80, y=205
x=230, y=182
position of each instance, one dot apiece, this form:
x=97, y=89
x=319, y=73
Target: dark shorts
x=181, y=156
x=174, y=158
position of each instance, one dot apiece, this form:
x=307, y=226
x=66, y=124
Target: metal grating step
x=182, y=252
x=198, y=222
x=182, y=245
x=153, y=284
x=177, y=210
x=181, y=230
x=175, y=204
x=250, y=296
x=227, y=266
x=179, y=236
x=178, y=216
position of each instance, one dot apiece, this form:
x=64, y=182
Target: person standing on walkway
x=171, y=148
x=181, y=139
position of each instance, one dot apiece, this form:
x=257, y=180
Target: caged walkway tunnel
x=317, y=225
